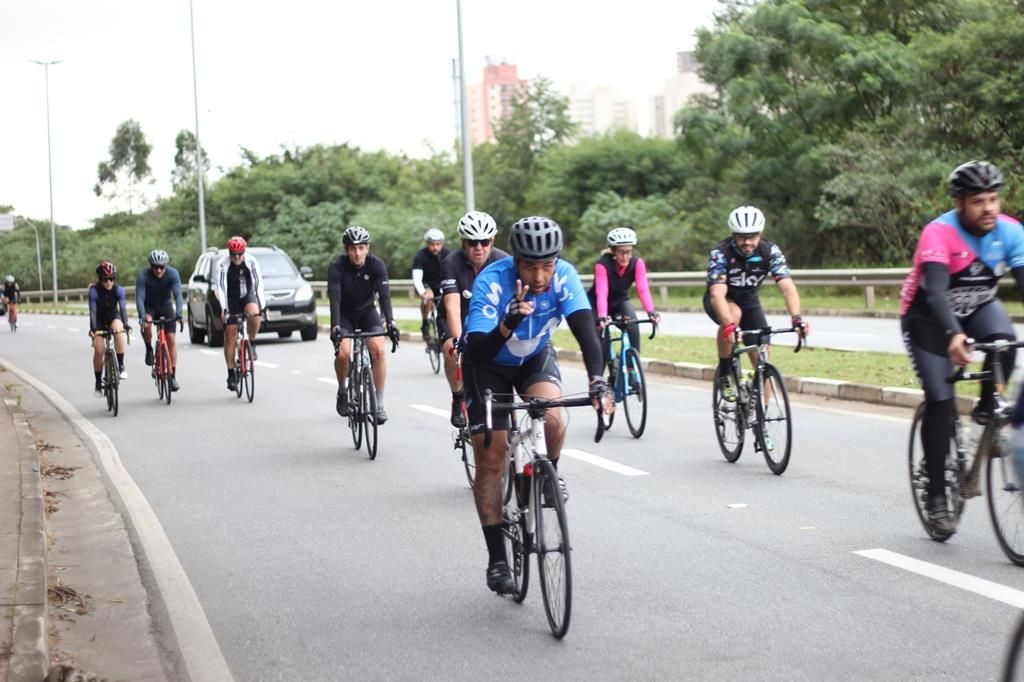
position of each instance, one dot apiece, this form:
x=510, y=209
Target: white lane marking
x=261, y=363
x=429, y=409
x=207, y=351
x=296, y=371
x=737, y=505
x=328, y=380
x=74, y=330
x=50, y=326
x=964, y=581
x=199, y=649
x=603, y=463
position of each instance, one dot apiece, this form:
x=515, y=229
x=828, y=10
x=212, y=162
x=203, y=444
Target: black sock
x=120, y=360
x=98, y=375
x=495, y=543
x=457, y=396
x=725, y=366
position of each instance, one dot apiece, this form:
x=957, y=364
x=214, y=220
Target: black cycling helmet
x=355, y=235
x=974, y=177
x=536, y=238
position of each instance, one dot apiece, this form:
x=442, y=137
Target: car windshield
x=276, y=265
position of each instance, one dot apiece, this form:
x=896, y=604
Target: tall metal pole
x=49, y=163
x=200, y=170
x=467, y=145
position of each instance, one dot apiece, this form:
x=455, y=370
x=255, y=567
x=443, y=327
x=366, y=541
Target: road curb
x=828, y=388
x=30, y=649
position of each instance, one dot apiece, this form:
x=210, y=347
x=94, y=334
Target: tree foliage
x=185, y=168
x=128, y=165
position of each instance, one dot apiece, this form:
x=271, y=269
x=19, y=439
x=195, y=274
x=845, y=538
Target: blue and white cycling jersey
x=495, y=286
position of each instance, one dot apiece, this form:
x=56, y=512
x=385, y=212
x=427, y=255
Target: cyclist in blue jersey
x=158, y=294
x=516, y=304
x=108, y=310
x=950, y=295
x=736, y=269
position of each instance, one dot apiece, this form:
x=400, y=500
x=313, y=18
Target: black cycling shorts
x=166, y=310
x=502, y=379
x=928, y=346
x=751, y=316
x=236, y=306
x=366, y=321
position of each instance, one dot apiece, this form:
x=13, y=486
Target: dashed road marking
x=608, y=464
x=328, y=380
x=431, y=410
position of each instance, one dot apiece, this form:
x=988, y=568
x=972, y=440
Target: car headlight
x=303, y=293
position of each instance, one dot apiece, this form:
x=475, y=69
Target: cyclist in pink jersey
x=951, y=294
x=614, y=275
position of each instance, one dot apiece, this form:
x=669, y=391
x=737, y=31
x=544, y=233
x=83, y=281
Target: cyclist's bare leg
x=380, y=361
x=554, y=424
x=172, y=348
x=341, y=360
x=490, y=462
x=734, y=317
x=230, y=338
x=147, y=329
x=97, y=353
x=120, y=340
x=450, y=368
x=253, y=322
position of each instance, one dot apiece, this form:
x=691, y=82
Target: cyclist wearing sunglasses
x=458, y=272
x=239, y=289
x=108, y=310
x=426, y=273
x=158, y=294
x=736, y=269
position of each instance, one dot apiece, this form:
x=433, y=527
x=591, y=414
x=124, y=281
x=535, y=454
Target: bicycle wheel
x=464, y=445
x=370, y=416
x=1013, y=668
x=774, y=421
x=635, y=392
x=613, y=373
x=918, y=470
x=250, y=373
x=158, y=378
x=513, y=526
x=729, y=420
x=356, y=408
x=1005, y=502
x=110, y=382
x=553, y=550
x=239, y=374
x=166, y=364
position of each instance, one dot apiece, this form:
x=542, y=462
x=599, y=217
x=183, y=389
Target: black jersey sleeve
x=334, y=292
x=584, y=328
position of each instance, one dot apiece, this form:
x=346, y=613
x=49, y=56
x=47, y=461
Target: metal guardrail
x=867, y=279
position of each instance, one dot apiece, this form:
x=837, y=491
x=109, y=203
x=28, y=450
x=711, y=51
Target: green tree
x=184, y=171
x=129, y=163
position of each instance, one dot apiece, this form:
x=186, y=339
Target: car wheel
x=214, y=336
x=196, y=336
x=285, y=334
x=309, y=333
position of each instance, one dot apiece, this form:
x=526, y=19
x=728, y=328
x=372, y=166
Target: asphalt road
x=312, y=562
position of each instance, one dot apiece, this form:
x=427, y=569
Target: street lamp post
x=49, y=164
x=467, y=147
x=200, y=171
x=39, y=258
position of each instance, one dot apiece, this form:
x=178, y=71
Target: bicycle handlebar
x=997, y=347
x=536, y=407
x=623, y=322
x=361, y=335
x=110, y=332
x=762, y=332
x=165, y=320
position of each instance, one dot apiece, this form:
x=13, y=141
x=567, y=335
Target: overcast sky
x=376, y=74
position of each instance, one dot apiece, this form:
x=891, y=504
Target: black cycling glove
x=513, y=315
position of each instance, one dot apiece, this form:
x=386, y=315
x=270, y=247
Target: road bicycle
x=533, y=514
x=761, y=402
x=362, y=393
x=433, y=339
x=111, y=380
x=12, y=315
x=963, y=473
x=630, y=386
x=245, y=365
x=162, y=359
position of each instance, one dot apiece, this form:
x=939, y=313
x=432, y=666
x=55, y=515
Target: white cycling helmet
x=622, y=236
x=433, y=235
x=159, y=257
x=477, y=225
x=536, y=239
x=746, y=220
x=9, y=279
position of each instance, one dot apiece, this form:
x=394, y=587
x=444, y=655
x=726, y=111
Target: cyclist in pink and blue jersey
x=951, y=294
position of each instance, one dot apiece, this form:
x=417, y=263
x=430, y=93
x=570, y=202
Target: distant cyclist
x=736, y=268
x=458, y=272
x=11, y=295
x=426, y=273
x=614, y=275
x=158, y=294
x=951, y=294
x=516, y=304
x=108, y=311
x=354, y=280
x=239, y=289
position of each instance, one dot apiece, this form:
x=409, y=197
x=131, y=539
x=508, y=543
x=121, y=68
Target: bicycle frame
x=748, y=393
x=622, y=339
